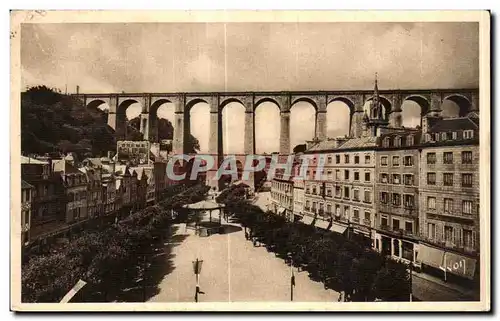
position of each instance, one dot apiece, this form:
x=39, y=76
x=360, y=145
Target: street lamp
x=292, y=277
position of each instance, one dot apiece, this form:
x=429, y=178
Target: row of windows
x=339, y=210
x=347, y=159
x=367, y=194
x=448, y=157
x=407, y=160
x=282, y=186
x=346, y=175
x=408, y=200
x=448, y=179
x=396, y=224
x=451, y=235
x=397, y=142
x=448, y=206
x=466, y=134
x=408, y=179
x=75, y=180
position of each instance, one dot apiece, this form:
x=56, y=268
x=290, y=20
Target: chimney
x=77, y=89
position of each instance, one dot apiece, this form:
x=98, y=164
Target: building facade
x=449, y=194
x=27, y=192
x=75, y=184
x=397, y=194
x=282, y=194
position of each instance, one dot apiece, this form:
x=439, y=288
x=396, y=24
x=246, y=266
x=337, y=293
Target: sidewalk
x=430, y=288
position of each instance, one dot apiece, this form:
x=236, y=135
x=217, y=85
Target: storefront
x=448, y=262
x=398, y=248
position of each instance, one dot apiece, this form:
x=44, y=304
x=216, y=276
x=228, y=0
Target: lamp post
x=292, y=277
x=197, y=270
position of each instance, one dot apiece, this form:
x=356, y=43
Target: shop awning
x=459, y=265
x=430, y=256
x=321, y=223
x=338, y=228
x=306, y=219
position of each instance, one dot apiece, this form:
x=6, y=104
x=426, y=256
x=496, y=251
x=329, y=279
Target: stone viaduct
x=427, y=99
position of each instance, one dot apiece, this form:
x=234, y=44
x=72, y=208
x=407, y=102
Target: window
x=356, y=159
x=383, y=160
x=395, y=160
x=355, y=213
x=467, y=157
x=409, y=140
x=468, y=134
x=384, y=178
x=431, y=158
x=395, y=224
x=356, y=176
x=444, y=136
x=448, y=234
x=409, y=227
x=386, y=142
x=337, y=191
x=308, y=205
x=396, y=199
x=431, y=230
x=428, y=137
x=329, y=159
x=307, y=189
x=466, y=180
x=346, y=192
x=447, y=158
x=408, y=161
x=409, y=201
x=329, y=209
x=468, y=242
x=346, y=158
x=337, y=159
x=337, y=174
x=329, y=174
x=384, y=197
x=367, y=159
x=314, y=207
x=431, y=203
x=337, y=210
x=329, y=192
x=367, y=176
x=355, y=195
x=346, y=174
x=448, y=179
x=448, y=205
x=397, y=141
x=367, y=216
x=454, y=135
x=467, y=207
x=408, y=179
x=383, y=222
x=431, y=178
x=368, y=196
x=396, y=179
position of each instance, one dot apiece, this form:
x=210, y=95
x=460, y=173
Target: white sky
x=185, y=57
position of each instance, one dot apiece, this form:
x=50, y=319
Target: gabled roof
x=455, y=124
x=25, y=185
x=64, y=167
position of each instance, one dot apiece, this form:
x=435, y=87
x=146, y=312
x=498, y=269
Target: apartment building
x=449, y=194
x=27, y=192
x=397, y=194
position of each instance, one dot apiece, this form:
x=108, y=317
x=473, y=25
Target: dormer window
x=444, y=136
x=409, y=140
x=468, y=134
x=387, y=142
x=454, y=135
x=428, y=137
x=397, y=141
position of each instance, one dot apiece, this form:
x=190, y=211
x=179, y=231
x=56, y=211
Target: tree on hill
x=50, y=119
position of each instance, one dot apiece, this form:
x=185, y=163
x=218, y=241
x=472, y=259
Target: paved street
x=233, y=270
